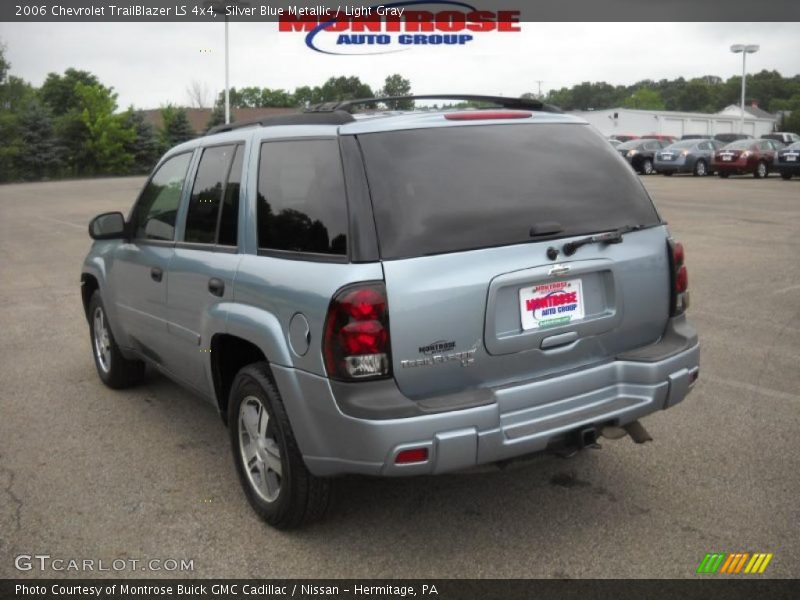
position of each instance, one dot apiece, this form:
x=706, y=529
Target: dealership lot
x=90, y=473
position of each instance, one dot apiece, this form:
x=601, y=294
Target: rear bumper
x=736, y=168
x=497, y=424
x=793, y=168
x=672, y=167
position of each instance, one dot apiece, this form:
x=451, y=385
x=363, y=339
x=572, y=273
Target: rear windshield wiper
x=611, y=237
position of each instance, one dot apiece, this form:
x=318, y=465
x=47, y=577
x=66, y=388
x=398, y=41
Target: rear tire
x=786, y=176
x=115, y=370
x=700, y=168
x=273, y=475
x=647, y=167
x=761, y=170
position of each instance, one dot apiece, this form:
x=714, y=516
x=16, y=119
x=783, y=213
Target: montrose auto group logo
x=395, y=27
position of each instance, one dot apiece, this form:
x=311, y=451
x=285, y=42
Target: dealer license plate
x=551, y=304
x=727, y=158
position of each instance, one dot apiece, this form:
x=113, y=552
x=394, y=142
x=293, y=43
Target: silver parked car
x=687, y=156
x=398, y=294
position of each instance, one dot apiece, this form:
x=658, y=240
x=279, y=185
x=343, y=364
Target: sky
x=153, y=64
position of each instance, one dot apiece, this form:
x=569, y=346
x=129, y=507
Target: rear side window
x=155, y=212
x=447, y=189
x=206, y=206
x=301, y=198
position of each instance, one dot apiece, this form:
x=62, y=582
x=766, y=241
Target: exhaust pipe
x=635, y=430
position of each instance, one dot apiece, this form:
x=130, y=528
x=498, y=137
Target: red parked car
x=744, y=156
x=660, y=137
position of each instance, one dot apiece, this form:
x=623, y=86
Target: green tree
x=60, y=92
x=176, y=128
x=144, y=147
x=792, y=121
x=218, y=116
x=644, y=98
x=397, y=85
x=695, y=96
x=344, y=88
x=306, y=95
x=38, y=153
x=4, y=64
x=108, y=134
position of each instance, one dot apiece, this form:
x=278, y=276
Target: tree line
x=769, y=89
x=71, y=126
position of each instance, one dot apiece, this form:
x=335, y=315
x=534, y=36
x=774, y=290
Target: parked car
x=266, y=267
x=775, y=144
x=695, y=136
x=660, y=137
x=788, y=161
x=727, y=138
x=744, y=156
x=687, y=156
x=614, y=142
x=640, y=154
x=784, y=137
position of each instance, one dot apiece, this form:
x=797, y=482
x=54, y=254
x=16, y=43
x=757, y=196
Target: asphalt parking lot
x=87, y=472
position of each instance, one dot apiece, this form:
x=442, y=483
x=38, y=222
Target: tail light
x=356, y=343
x=679, y=277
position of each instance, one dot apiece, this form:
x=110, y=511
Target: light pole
x=219, y=6
x=745, y=49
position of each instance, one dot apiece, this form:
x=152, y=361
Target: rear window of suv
x=301, y=198
x=450, y=189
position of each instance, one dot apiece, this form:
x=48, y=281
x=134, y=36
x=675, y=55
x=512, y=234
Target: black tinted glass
x=446, y=189
x=155, y=212
x=229, y=217
x=301, y=199
x=204, y=204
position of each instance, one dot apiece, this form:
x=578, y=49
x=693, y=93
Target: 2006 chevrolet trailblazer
x=395, y=293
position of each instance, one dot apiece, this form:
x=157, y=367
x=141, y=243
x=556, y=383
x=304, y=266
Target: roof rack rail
x=301, y=118
x=501, y=101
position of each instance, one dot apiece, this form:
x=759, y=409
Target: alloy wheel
x=261, y=455
x=102, y=340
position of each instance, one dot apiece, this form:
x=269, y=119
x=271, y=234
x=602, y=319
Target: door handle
x=156, y=274
x=216, y=286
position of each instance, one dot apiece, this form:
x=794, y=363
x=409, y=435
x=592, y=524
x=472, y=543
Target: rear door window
x=301, y=204
x=447, y=189
x=205, y=202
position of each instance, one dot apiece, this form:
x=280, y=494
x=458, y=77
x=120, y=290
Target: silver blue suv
x=395, y=293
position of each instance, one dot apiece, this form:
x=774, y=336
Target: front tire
x=647, y=167
x=273, y=475
x=114, y=369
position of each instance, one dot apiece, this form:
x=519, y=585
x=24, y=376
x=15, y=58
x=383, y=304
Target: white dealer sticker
x=551, y=304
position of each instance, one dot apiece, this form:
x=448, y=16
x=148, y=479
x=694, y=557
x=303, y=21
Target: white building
x=622, y=121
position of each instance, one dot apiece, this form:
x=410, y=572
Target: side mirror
x=107, y=226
